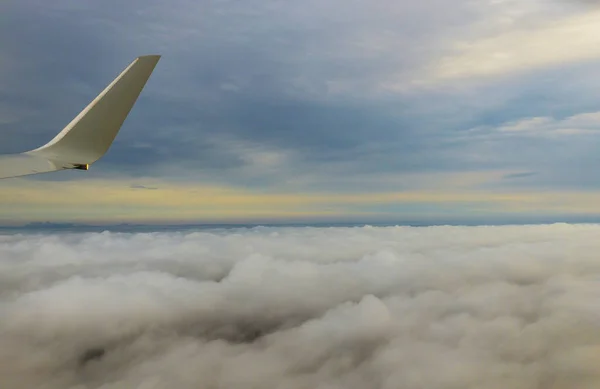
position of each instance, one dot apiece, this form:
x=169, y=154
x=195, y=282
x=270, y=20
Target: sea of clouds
x=303, y=308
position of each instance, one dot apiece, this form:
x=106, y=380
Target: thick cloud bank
x=438, y=308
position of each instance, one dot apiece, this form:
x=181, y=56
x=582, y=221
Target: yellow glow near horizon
x=114, y=201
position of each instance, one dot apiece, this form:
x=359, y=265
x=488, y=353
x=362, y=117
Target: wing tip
x=149, y=57
x=40, y=157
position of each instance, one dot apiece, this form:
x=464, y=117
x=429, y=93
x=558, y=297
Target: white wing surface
x=88, y=137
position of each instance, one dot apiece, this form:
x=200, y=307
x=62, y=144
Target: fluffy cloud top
x=439, y=307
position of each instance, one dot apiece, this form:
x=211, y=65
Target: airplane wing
x=89, y=135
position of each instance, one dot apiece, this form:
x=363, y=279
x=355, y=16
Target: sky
x=399, y=307
x=312, y=110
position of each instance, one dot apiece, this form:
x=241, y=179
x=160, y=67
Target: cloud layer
x=439, y=307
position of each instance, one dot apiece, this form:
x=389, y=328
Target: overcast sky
x=263, y=109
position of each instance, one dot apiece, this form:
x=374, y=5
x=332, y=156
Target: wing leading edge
x=89, y=135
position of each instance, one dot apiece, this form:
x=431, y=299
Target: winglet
x=89, y=136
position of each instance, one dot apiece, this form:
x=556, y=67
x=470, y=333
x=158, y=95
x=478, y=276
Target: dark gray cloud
x=519, y=175
x=257, y=72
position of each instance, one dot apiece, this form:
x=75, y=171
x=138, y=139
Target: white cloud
x=545, y=126
x=525, y=47
x=439, y=307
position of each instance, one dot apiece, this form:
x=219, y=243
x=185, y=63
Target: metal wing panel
x=15, y=165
